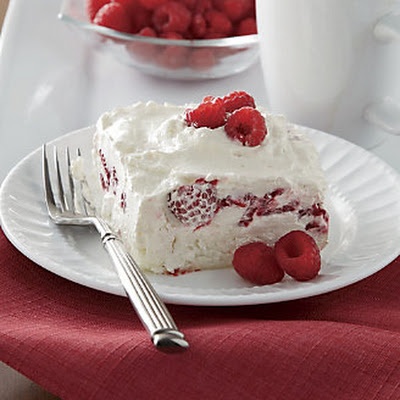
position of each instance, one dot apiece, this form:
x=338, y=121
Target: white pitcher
x=333, y=65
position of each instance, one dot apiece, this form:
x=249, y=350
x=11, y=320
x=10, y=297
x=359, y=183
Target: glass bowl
x=168, y=58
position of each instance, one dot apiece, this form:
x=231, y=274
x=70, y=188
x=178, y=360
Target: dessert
x=185, y=186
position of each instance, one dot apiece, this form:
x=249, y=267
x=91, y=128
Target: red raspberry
x=147, y=31
x=238, y=99
x=214, y=35
x=202, y=6
x=152, y=4
x=210, y=113
x=190, y=4
x=246, y=125
x=202, y=59
x=247, y=27
x=298, y=255
x=235, y=10
x=92, y=6
x=210, y=98
x=138, y=15
x=171, y=17
x=256, y=263
x=195, y=205
x=142, y=50
x=114, y=16
x=198, y=26
x=173, y=57
x=130, y=5
x=218, y=24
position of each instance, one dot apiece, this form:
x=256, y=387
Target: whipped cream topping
x=158, y=146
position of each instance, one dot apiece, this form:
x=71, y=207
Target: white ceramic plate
x=363, y=202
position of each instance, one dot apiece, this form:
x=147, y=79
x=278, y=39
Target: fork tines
x=60, y=187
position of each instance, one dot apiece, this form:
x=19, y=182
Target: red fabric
x=79, y=343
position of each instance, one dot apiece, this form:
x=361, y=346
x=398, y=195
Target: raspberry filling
x=109, y=179
x=196, y=205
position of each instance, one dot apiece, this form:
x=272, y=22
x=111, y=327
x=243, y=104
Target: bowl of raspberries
x=176, y=39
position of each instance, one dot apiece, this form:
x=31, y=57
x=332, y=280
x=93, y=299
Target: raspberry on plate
x=238, y=99
x=114, y=16
x=210, y=113
x=298, y=255
x=194, y=205
x=247, y=126
x=256, y=263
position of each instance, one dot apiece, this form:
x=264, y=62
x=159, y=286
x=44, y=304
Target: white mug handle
x=388, y=27
x=386, y=113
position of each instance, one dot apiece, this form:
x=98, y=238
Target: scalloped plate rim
x=243, y=294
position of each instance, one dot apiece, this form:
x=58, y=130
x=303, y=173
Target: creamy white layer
x=146, y=151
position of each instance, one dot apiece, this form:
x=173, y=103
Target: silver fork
x=66, y=206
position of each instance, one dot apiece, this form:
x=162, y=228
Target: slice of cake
x=185, y=186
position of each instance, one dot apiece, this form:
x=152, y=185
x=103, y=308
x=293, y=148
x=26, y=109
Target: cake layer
x=184, y=198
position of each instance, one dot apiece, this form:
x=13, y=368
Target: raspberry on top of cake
x=186, y=186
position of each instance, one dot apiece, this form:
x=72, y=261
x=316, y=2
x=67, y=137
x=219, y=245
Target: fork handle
x=148, y=305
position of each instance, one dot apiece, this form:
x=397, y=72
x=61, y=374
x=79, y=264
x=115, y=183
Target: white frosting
x=153, y=152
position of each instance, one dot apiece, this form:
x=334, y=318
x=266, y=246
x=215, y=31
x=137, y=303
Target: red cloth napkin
x=79, y=343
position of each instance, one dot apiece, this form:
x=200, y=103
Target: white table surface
x=52, y=83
